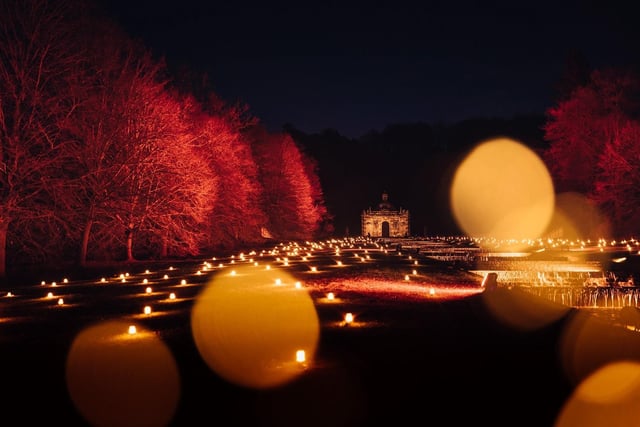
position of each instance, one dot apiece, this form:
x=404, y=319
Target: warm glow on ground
x=120, y=374
x=247, y=326
x=502, y=189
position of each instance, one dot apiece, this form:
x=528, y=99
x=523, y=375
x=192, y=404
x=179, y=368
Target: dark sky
x=354, y=67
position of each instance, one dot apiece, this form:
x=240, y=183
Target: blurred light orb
x=589, y=342
x=246, y=327
x=502, y=190
x=119, y=374
x=608, y=396
x=521, y=310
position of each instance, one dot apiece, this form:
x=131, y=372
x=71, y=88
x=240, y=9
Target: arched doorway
x=385, y=229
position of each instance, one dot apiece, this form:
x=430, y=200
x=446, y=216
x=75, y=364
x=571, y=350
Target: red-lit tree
x=292, y=198
x=324, y=219
x=237, y=217
x=618, y=179
x=589, y=136
x=174, y=189
x=40, y=53
x=140, y=187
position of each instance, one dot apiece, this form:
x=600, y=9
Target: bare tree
x=617, y=182
x=237, y=217
x=291, y=196
x=180, y=187
x=579, y=127
x=40, y=52
x=593, y=135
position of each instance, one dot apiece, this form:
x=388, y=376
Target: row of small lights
x=349, y=317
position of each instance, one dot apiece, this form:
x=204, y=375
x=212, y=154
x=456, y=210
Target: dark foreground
x=412, y=360
x=438, y=364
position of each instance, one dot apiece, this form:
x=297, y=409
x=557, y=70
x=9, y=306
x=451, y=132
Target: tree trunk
x=4, y=227
x=85, y=243
x=130, y=245
x=164, y=251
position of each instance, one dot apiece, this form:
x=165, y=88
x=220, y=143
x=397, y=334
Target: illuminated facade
x=386, y=221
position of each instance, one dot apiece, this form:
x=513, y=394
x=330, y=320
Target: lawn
x=218, y=341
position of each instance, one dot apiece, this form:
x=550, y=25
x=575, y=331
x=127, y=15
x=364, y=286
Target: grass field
x=216, y=342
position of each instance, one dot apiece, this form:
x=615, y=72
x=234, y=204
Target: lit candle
x=348, y=318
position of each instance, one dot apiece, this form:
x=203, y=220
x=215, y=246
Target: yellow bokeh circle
x=251, y=325
x=502, y=190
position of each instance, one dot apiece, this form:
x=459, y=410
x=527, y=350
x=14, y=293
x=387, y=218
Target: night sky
x=355, y=67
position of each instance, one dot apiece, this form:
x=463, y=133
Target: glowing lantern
x=50, y=295
x=300, y=356
x=43, y=283
x=298, y=285
x=54, y=284
x=233, y=272
x=348, y=318
x=330, y=296
x=145, y=281
x=172, y=295
x=278, y=282
x=103, y=280
x=183, y=282
x=146, y=272
x=432, y=291
x=166, y=276
x=65, y=280
x=147, y=309
x=132, y=330
x=9, y=294
x=414, y=272
x=148, y=290
x=60, y=301
x=314, y=269
x=406, y=277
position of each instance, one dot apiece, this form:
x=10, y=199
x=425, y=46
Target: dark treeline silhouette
x=589, y=140
x=413, y=162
